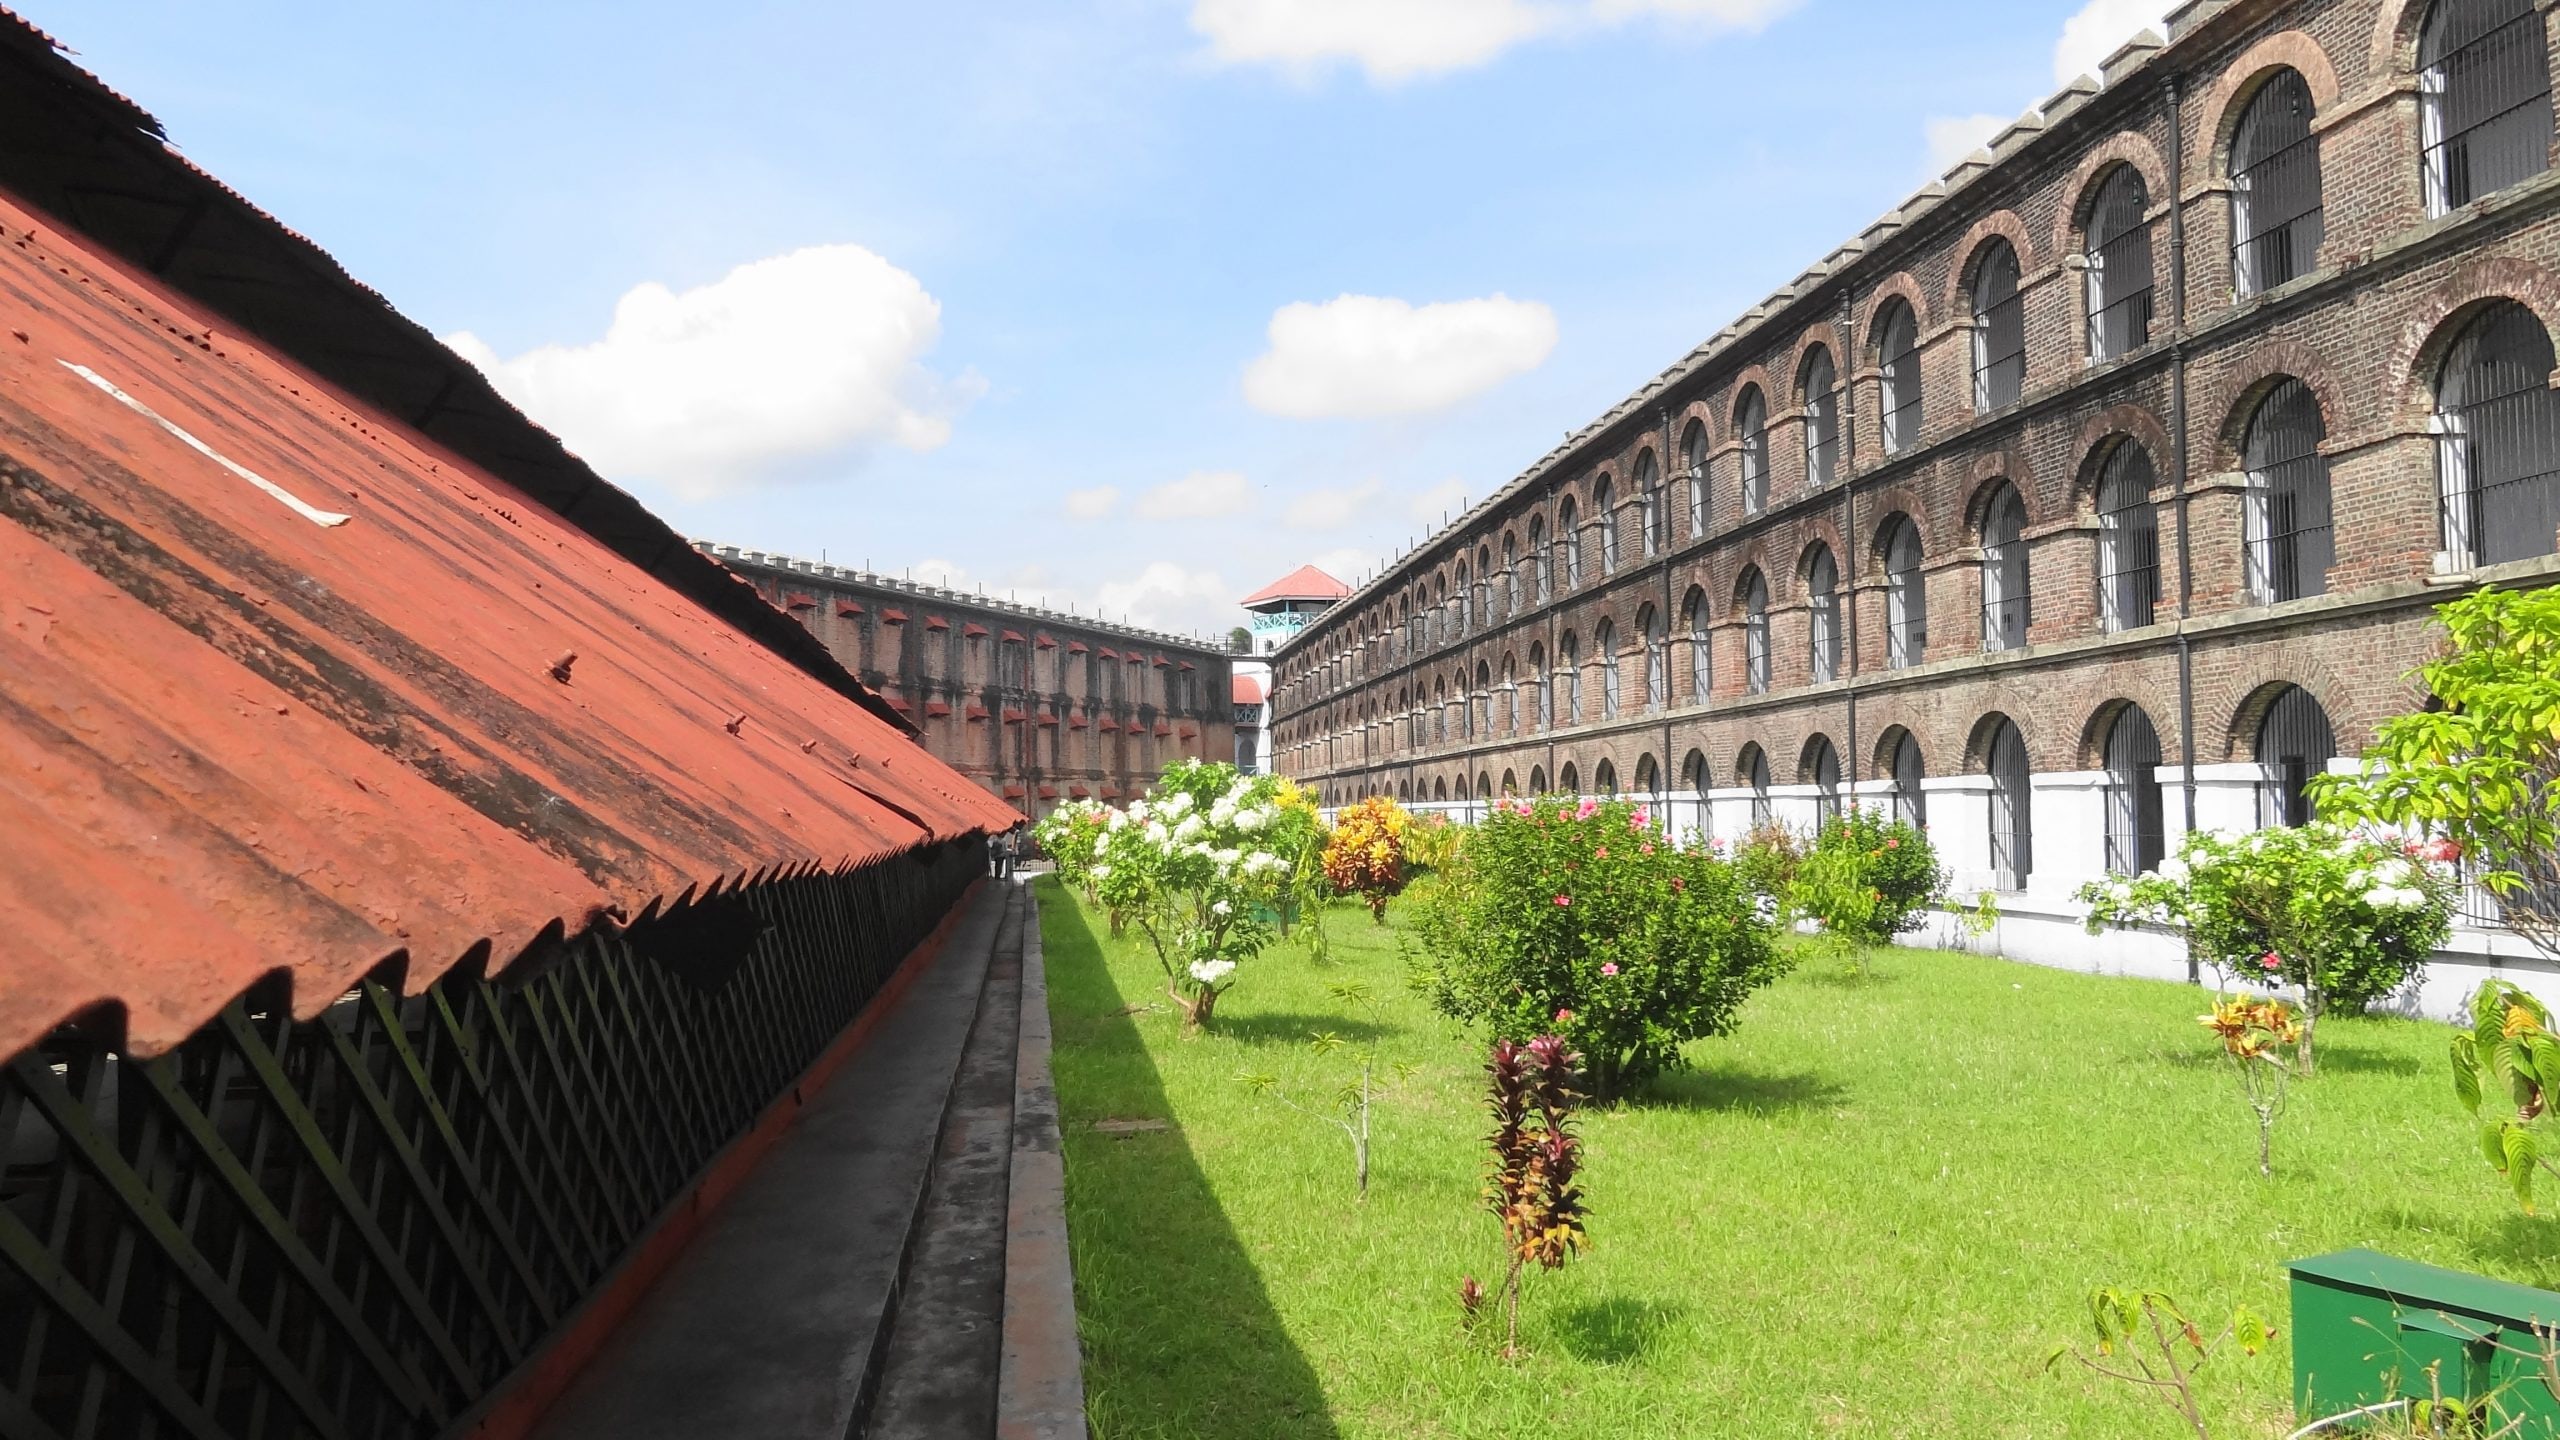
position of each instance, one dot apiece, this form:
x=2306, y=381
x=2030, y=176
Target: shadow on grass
x=1286, y=1027
x=1613, y=1332
x=1737, y=1091
x=2331, y=1053
x=1179, y=1334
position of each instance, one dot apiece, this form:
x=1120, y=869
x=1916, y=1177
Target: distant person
x=1003, y=853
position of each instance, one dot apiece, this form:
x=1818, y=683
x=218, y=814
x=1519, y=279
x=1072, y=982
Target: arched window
x=1910, y=800
x=1568, y=681
x=2119, y=257
x=1484, y=699
x=1649, y=503
x=2275, y=187
x=1440, y=788
x=2128, y=539
x=1540, y=717
x=1693, y=464
x=1440, y=711
x=1510, y=577
x=1569, y=780
x=1604, y=648
x=1648, y=777
x=1752, y=766
x=1701, y=671
x=1537, y=779
x=2484, y=88
x=1604, y=778
x=1818, y=386
x=1755, y=634
x=2498, y=439
x=1693, y=773
x=1510, y=782
x=1484, y=585
x=2294, y=744
x=2004, y=571
x=1898, y=377
x=2136, y=838
x=1569, y=544
x=1604, y=515
x=2012, y=829
x=1822, y=772
x=2289, y=540
x=1751, y=428
x=1465, y=592
x=1657, y=660
x=1906, y=599
x=1822, y=613
x=1510, y=697
x=1539, y=557
x=1999, y=329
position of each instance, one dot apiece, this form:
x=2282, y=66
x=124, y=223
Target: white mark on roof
x=291, y=501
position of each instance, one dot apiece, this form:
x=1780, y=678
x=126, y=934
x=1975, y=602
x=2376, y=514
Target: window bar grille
x=2276, y=205
x=2485, y=89
x=2499, y=444
x=2289, y=532
x=1999, y=333
x=1900, y=379
x=2136, y=829
x=2120, y=269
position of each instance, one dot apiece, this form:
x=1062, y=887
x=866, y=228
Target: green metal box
x=2369, y=1328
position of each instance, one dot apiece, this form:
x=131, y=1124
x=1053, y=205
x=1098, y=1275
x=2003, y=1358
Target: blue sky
x=1049, y=296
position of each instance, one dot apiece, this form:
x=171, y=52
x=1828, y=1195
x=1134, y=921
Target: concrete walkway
x=896, y=1266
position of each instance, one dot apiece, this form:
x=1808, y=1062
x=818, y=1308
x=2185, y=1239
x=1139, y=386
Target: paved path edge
x=1040, y=1386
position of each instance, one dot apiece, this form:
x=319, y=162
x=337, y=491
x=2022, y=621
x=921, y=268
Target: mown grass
x=1872, y=1211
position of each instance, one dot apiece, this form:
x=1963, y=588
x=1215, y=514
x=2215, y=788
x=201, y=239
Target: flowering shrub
x=2250, y=1029
x=1868, y=878
x=1575, y=917
x=1766, y=861
x=1187, y=866
x=1071, y=836
x=2346, y=917
x=1366, y=856
x=2509, y=1056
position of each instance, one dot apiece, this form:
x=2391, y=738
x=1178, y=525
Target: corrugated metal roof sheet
x=236, y=738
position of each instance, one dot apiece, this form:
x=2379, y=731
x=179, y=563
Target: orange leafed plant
x=1366, y=856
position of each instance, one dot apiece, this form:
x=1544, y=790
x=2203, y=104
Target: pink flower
x=1893, y=844
x=1640, y=819
x=1679, y=884
x=1589, y=809
x=2443, y=852
x=1603, y=854
x=1610, y=968
x=1648, y=849
x=1564, y=1017
x=1563, y=900
x=2271, y=961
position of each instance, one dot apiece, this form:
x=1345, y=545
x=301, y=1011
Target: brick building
x=2101, y=489
x=1037, y=706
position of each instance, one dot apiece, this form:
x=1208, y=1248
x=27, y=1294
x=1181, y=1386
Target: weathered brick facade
x=1037, y=706
x=1362, y=708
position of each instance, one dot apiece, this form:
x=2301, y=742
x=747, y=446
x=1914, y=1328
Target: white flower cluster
x=1210, y=972
x=2391, y=885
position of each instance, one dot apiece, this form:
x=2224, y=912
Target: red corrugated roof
x=1304, y=583
x=848, y=607
x=234, y=740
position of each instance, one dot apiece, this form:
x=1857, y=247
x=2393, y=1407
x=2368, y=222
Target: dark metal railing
x=362, y=1224
x=2485, y=81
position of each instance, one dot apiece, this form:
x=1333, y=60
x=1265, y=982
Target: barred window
x=1648, y=777
x=2289, y=541
x=1569, y=544
x=1568, y=681
x=1910, y=800
x=1751, y=428
x=1693, y=464
x=2012, y=806
x=1906, y=600
x=1822, y=771
x=1510, y=700
x=1464, y=592
x=1540, y=716
x=2128, y=539
x=1604, y=648
x=1821, y=589
x=1537, y=779
x=1569, y=779
x=1649, y=503
x=1898, y=377
x=2119, y=266
x=1657, y=661
x=1694, y=781
x=1754, y=767
x=1484, y=699
x=2294, y=744
x=2484, y=87
x=1510, y=577
x=2498, y=439
x=1755, y=634
x=1999, y=329
x=2275, y=187
x=1604, y=778
x=1539, y=556
x=1604, y=515
x=2136, y=838
x=2005, y=572
x=1818, y=386
x=1701, y=668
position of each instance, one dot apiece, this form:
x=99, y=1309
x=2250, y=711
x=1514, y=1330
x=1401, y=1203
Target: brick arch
x=2440, y=315
x=1898, y=285
x=2260, y=369
x=1770, y=395
x=1821, y=532
x=2125, y=147
x=1804, y=758
x=1753, y=557
x=2241, y=80
x=2009, y=462
x=2135, y=422
x=1977, y=741
x=2002, y=223
x=1701, y=411
x=2268, y=678
x=1826, y=335
x=1894, y=500
x=1880, y=755
x=2395, y=36
x=2160, y=710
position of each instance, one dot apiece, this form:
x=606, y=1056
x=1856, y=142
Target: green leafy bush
x=1574, y=917
x=1867, y=879
x=1766, y=860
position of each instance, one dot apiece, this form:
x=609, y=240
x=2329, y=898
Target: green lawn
x=1873, y=1210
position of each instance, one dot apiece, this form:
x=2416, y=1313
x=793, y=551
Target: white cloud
x=1953, y=137
x=1092, y=504
x=1398, y=40
x=2097, y=29
x=1439, y=502
x=1365, y=355
x=1345, y=563
x=1167, y=596
x=1332, y=509
x=939, y=572
x=712, y=389
x=1200, y=495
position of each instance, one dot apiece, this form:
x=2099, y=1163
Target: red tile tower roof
x=1304, y=583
